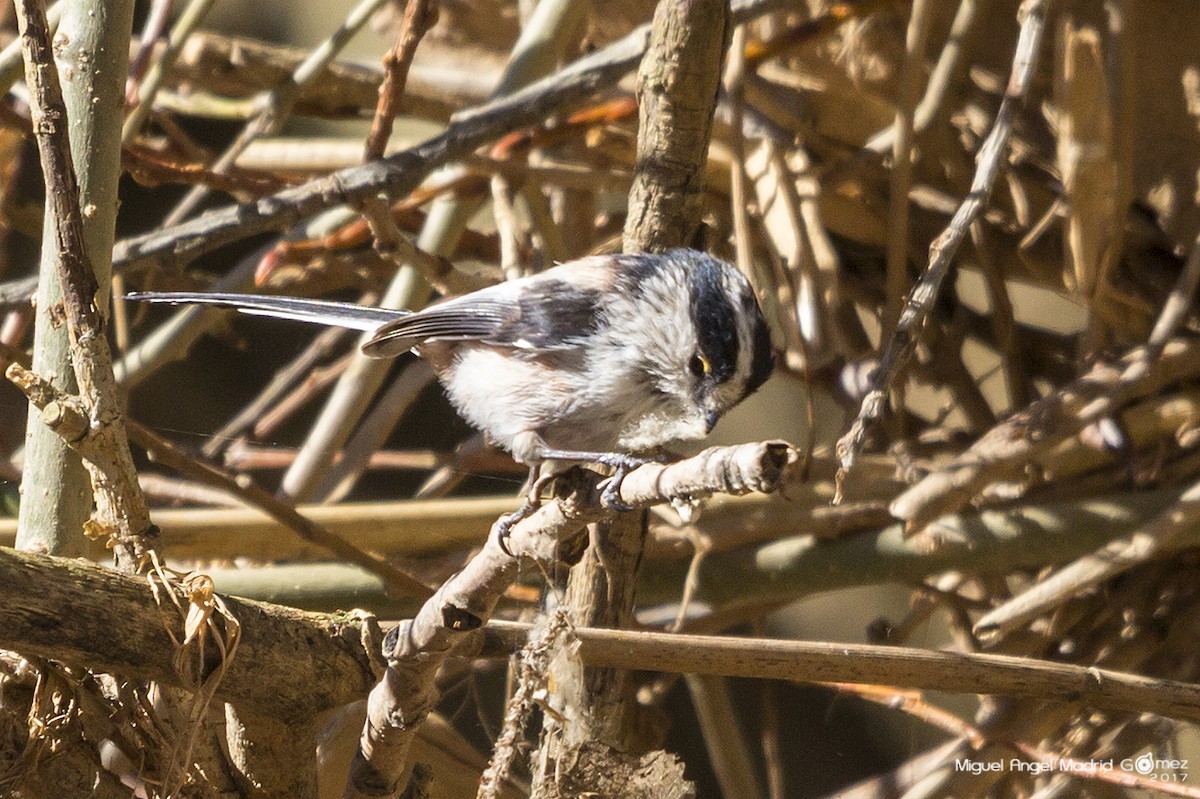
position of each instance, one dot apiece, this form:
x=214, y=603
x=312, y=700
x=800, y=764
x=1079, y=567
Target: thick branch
x=64, y=609
x=677, y=92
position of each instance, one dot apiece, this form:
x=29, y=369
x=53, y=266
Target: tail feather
x=320, y=312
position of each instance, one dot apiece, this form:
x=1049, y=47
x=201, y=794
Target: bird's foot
x=610, y=497
x=621, y=464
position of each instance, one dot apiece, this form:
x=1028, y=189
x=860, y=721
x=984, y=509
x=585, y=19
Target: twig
x=306, y=390
x=1020, y=388
x=318, y=349
x=419, y=17
x=508, y=227
x=188, y=21
x=726, y=744
x=245, y=457
x=773, y=762
x=152, y=29
x=755, y=577
x=236, y=67
x=735, y=89
x=921, y=300
x=355, y=457
x=1096, y=176
x=900, y=179
x=121, y=511
x=677, y=86
x=940, y=79
x=734, y=582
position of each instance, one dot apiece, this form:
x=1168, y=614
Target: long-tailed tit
x=605, y=359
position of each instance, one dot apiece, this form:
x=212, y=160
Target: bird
x=606, y=359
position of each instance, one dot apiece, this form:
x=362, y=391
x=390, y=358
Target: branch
x=419, y=17
x=398, y=705
x=677, y=91
x=902, y=667
x=327, y=658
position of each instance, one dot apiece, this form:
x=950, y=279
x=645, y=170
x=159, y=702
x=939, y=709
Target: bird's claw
x=610, y=497
x=506, y=524
x=533, y=500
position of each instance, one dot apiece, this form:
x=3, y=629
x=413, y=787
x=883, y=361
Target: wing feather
x=469, y=318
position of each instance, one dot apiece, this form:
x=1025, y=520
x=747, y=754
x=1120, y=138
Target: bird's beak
x=710, y=421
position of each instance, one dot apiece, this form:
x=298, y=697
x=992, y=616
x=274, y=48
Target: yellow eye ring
x=699, y=365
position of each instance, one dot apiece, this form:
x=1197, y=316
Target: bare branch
x=337, y=666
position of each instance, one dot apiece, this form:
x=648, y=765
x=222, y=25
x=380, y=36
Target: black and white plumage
x=593, y=360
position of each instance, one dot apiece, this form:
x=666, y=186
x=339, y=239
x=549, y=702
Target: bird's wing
x=319, y=312
x=539, y=313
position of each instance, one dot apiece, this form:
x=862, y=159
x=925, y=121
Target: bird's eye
x=699, y=365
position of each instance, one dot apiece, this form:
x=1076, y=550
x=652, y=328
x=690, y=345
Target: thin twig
x=940, y=79
x=188, y=21
x=317, y=350
x=419, y=17
x=924, y=294
x=902, y=162
x=152, y=29
x=1007, y=336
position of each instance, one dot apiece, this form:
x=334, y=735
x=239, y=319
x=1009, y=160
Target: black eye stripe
x=714, y=318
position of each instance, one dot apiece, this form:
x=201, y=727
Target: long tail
x=319, y=312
